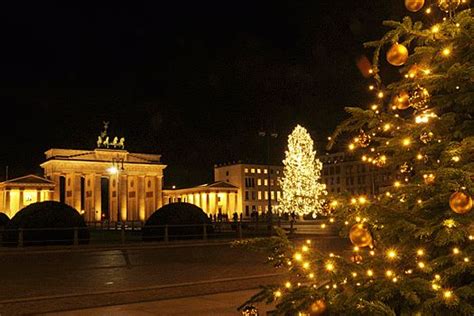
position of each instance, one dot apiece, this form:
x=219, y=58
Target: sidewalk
x=222, y=304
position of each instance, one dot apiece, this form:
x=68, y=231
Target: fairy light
x=372, y=253
x=428, y=11
x=435, y=286
x=354, y=274
x=351, y=146
x=331, y=220
x=386, y=127
x=311, y=275
x=389, y=273
x=346, y=223
x=277, y=293
x=308, y=241
x=419, y=201
x=380, y=95
x=421, y=265
x=455, y=158
x=466, y=259
x=298, y=256
x=356, y=248
x=437, y=277
x=394, y=280
x=446, y=52
x=371, y=87
x=362, y=199
x=323, y=226
x=420, y=252
x=288, y=284
x=448, y=294
x=306, y=265
x=370, y=273
x=374, y=107
x=406, y=141
x=435, y=29
x=391, y=254
x=304, y=248
x=329, y=266
x=450, y=223
x=471, y=237
x=358, y=219
x=397, y=184
x=456, y=251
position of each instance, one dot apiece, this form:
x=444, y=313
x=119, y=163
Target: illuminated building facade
x=214, y=198
x=344, y=173
x=256, y=184
x=17, y=193
x=106, y=183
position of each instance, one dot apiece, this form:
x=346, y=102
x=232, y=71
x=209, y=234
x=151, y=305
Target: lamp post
x=269, y=211
x=116, y=169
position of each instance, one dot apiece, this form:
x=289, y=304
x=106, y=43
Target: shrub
x=4, y=219
x=190, y=218
x=46, y=223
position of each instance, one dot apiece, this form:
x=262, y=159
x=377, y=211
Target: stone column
x=57, y=187
x=123, y=198
x=159, y=192
x=20, y=201
x=97, y=197
x=76, y=191
x=197, y=199
x=212, y=202
x=141, y=198
x=8, y=203
x=204, y=203
x=38, y=195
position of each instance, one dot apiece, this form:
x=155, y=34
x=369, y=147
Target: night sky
x=192, y=80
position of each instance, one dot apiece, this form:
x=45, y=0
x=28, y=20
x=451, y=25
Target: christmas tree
x=301, y=191
x=414, y=243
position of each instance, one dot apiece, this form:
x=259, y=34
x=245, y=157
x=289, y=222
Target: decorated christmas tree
x=413, y=246
x=301, y=191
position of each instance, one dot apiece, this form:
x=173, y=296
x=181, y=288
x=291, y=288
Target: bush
x=46, y=223
x=191, y=217
x=4, y=219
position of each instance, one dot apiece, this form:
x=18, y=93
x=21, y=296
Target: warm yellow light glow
x=437, y=277
x=311, y=275
x=346, y=223
x=329, y=266
x=386, y=127
x=396, y=184
x=308, y=241
x=435, y=286
x=446, y=52
x=389, y=273
x=374, y=107
x=305, y=248
x=391, y=254
x=435, y=29
x=353, y=201
x=450, y=223
x=456, y=251
x=420, y=252
x=419, y=201
x=406, y=142
x=421, y=264
x=112, y=170
x=351, y=146
x=288, y=284
x=356, y=248
x=380, y=95
x=277, y=293
x=428, y=11
x=372, y=253
x=371, y=87
x=323, y=226
x=447, y=294
x=362, y=199
x=331, y=220
x=370, y=272
x=358, y=219
x=471, y=237
x=394, y=280
x=354, y=274
x=455, y=158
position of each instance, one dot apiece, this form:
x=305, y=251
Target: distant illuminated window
x=265, y=170
x=271, y=181
x=272, y=195
x=259, y=181
x=246, y=170
x=278, y=171
x=149, y=184
x=266, y=195
x=265, y=182
x=259, y=170
x=278, y=195
x=252, y=170
x=259, y=195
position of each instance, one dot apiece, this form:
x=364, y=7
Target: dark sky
x=192, y=80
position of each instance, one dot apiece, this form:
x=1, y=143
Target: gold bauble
x=360, y=236
x=460, y=202
x=317, y=308
x=401, y=100
x=414, y=5
x=448, y=5
x=356, y=258
x=429, y=178
x=397, y=55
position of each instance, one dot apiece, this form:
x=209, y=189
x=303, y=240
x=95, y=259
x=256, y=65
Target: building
x=256, y=185
x=214, y=198
x=17, y=193
x=106, y=183
x=344, y=173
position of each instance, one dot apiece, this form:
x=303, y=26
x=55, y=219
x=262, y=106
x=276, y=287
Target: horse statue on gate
x=121, y=143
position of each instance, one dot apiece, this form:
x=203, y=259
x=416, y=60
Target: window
x=246, y=195
x=278, y=171
x=149, y=184
x=278, y=195
x=259, y=181
x=227, y=173
x=253, y=182
x=259, y=195
x=253, y=196
x=271, y=181
x=272, y=195
x=247, y=210
x=259, y=170
x=265, y=171
x=338, y=169
x=246, y=170
x=265, y=182
x=266, y=195
x=252, y=170
x=338, y=180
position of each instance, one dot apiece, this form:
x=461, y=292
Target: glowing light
x=331, y=220
x=446, y=52
x=394, y=280
x=353, y=201
x=372, y=253
x=435, y=286
x=428, y=11
x=420, y=252
x=356, y=248
x=308, y=241
x=329, y=266
x=391, y=254
x=323, y=226
x=374, y=107
x=455, y=158
x=450, y=223
x=471, y=237
x=354, y=274
x=437, y=277
x=389, y=273
x=351, y=146
x=298, y=256
x=306, y=265
x=112, y=170
x=288, y=284
x=447, y=294
x=406, y=142
x=397, y=184
x=346, y=223
x=362, y=199
x=435, y=29
x=456, y=251
x=311, y=275
x=305, y=248
x=371, y=87
x=277, y=293
x=386, y=127
x=370, y=273
x=421, y=264
x=380, y=95
x=424, y=117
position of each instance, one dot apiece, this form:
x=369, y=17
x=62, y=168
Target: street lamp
x=269, y=211
x=116, y=169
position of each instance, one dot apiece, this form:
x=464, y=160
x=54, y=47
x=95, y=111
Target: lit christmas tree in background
x=301, y=191
x=413, y=244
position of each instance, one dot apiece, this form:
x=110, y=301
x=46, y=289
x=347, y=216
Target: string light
x=298, y=256
x=446, y=52
x=466, y=259
x=435, y=29
x=370, y=273
x=421, y=264
x=277, y=293
x=311, y=275
x=389, y=273
x=448, y=294
x=391, y=254
x=304, y=248
x=329, y=266
x=456, y=251
x=428, y=11
x=406, y=142
x=455, y=158
x=420, y=252
x=288, y=284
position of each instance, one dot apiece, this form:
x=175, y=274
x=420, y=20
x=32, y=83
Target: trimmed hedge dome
x=190, y=218
x=46, y=223
x=4, y=219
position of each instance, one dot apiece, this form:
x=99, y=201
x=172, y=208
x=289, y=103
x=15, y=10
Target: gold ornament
x=249, y=310
x=401, y=100
x=460, y=202
x=448, y=5
x=363, y=139
x=360, y=236
x=426, y=137
x=317, y=308
x=419, y=98
x=397, y=55
x=414, y=5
